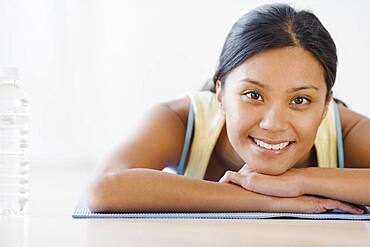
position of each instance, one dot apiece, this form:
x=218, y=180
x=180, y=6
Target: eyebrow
x=294, y=89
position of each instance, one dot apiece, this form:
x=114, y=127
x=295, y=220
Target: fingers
x=346, y=207
x=233, y=177
x=313, y=204
x=309, y=204
x=245, y=169
x=366, y=210
x=225, y=178
x=259, y=183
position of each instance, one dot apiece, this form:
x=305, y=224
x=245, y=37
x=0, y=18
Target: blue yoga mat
x=82, y=211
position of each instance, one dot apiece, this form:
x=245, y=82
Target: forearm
x=350, y=185
x=152, y=190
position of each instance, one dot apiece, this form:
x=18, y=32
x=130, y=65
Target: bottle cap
x=8, y=73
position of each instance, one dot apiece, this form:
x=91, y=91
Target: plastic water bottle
x=13, y=144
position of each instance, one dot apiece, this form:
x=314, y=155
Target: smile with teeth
x=278, y=146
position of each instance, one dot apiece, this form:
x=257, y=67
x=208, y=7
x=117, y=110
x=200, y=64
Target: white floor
x=56, y=188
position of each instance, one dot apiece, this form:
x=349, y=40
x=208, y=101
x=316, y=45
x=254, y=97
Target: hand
x=314, y=204
x=288, y=184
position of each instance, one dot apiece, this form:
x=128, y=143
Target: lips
x=270, y=147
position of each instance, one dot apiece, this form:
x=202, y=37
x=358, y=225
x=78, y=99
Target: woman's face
x=274, y=103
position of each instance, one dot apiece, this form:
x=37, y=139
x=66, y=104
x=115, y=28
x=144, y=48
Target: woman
x=267, y=134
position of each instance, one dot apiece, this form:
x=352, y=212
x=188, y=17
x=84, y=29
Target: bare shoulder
x=349, y=119
x=180, y=107
x=356, y=138
x=156, y=140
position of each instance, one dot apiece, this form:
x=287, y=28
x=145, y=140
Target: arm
x=352, y=185
x=349, y=185
x=131, y=178
x=148, y=190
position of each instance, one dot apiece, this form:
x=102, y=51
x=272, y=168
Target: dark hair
x=276, y=26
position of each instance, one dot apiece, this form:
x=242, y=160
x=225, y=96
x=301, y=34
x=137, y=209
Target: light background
x=92, y=68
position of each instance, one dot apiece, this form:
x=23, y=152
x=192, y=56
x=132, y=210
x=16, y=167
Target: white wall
x=92, y=67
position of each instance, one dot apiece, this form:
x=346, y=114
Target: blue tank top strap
x=185, y=149
x=338, y=128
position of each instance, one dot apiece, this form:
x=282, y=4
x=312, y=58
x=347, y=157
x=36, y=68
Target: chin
x=270, y=170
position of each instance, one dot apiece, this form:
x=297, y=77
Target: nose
x=274, y=119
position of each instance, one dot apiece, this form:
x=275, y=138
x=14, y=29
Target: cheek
x=238, y=124
x=305, y=128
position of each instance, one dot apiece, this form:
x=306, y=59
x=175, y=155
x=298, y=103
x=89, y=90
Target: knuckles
x=249, y=181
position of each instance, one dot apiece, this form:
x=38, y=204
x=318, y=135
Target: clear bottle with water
x=14, y=105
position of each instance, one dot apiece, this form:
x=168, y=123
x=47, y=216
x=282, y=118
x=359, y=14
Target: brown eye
x=253, y=95
x=301, y=101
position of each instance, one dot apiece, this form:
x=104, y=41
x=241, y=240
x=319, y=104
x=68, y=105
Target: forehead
x=281, y=68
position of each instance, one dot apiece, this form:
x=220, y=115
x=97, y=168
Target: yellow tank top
x=208, y=123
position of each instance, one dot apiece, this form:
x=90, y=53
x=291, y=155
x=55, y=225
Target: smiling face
x=274, y=103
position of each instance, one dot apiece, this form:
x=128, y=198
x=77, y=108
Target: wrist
x=306, y=180
x=279, y=204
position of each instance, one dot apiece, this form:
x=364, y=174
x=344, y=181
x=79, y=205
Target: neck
x=308, y=160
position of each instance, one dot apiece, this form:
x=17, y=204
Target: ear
x=219, y=96
x=330, y=98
